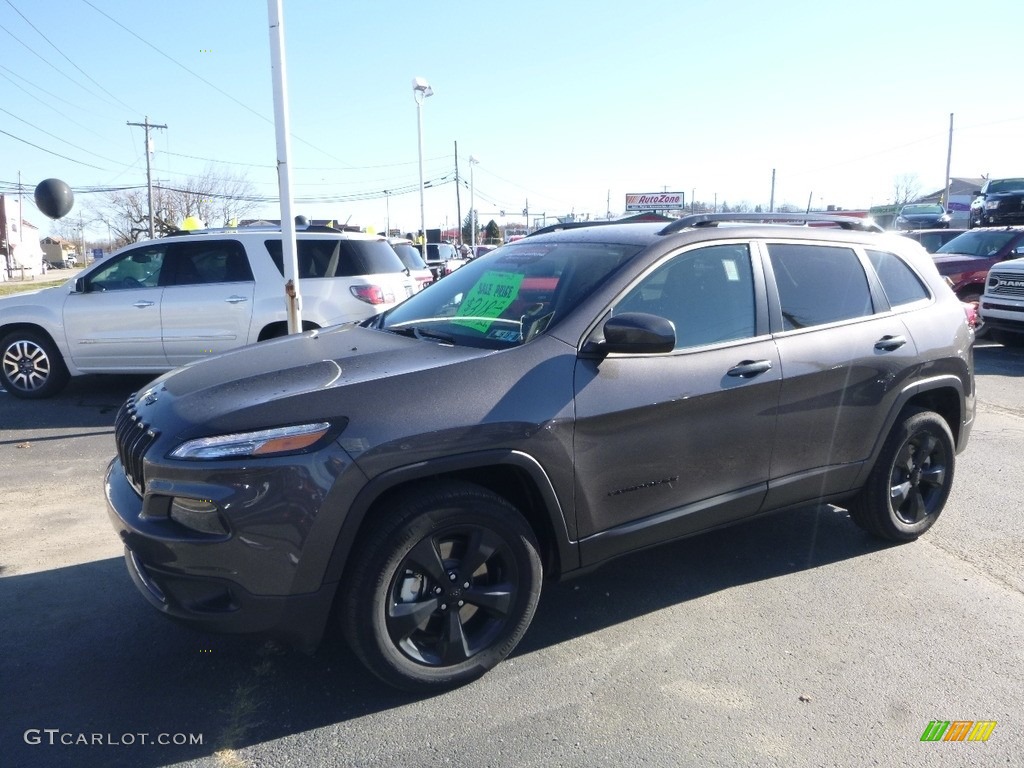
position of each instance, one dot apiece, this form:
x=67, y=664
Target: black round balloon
x=54, y=198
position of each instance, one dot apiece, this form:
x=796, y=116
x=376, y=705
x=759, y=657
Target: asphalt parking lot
x=790, y=640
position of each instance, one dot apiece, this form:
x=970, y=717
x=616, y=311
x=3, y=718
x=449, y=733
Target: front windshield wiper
x=416, y=332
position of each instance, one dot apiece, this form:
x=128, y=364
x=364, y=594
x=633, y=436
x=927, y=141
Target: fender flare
x=567, y=549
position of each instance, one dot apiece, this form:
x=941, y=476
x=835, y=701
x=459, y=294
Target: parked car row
x=162, y=303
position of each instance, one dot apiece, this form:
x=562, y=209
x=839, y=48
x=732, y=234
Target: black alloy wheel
x=909, y=485
x=443, y=587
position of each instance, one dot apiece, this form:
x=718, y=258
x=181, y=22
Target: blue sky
x=567, y=105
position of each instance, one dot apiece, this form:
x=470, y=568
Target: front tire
x=442, y=588
x=30, y=365
x=910, y=482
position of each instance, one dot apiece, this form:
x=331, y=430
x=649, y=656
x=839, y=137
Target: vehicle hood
x=1006, y=193
x=32, y=297
x=257, y=385
x=948, y=263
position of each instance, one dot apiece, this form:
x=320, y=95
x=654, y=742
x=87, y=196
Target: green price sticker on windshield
x=491, y=296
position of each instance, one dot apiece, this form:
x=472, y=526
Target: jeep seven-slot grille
x=133, y=439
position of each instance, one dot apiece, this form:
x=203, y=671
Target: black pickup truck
x=1000, y=202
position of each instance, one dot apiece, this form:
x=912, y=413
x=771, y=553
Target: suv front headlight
x=264, y=442
x=991, y=205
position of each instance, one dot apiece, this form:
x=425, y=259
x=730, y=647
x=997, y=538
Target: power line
x=207, y=82
x=51, y=152
x=69, y=61
x=48, y=63
x=58, y=138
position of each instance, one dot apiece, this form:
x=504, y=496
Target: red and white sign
x=654, y=201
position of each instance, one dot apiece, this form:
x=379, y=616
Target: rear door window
x=339, y=258
x=205, y=262
x=819, y=284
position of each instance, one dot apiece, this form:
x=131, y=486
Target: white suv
x=155, y=305
x=1002, y=305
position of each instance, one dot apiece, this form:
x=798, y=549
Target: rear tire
x=910, y=482
x=442, y=587
x=30, y=365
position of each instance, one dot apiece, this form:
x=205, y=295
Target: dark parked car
x=932, y=239
x=922, y=216
x=442, y=259
x=999, y=202
x=598, y=390
x=967, y=258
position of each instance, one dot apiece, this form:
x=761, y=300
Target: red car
x=966, y=259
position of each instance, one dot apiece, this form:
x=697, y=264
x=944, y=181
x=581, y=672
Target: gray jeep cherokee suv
x=595, y=391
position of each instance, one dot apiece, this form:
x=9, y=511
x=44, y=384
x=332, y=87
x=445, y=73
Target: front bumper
x=202, y=581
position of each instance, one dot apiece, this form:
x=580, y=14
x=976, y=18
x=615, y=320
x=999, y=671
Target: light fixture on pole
x=420, y=90
x=472, y=210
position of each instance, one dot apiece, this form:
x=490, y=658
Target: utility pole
x=458, y=193
x=949, y=159
x=771, y=203
x=149, y=170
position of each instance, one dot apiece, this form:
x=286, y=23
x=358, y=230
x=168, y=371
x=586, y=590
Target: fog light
x=198, y=514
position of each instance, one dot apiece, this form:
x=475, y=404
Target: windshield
x=922, y=208
x=977, y=243
x=1005, y=185
x=508, y=296
x=410, y=255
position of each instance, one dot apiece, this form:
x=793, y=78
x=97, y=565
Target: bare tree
x=906, y=189
x=216, y=199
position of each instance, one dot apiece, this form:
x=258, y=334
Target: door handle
x=236, y=299
x=889, y=343
x=142, y=304
x=750, y=368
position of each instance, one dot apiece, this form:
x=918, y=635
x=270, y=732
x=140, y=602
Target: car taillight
x=371, y=294
x=971, y=310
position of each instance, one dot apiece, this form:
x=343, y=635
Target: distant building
x=961, y=193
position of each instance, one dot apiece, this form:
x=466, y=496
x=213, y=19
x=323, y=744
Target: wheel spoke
x=495, y=599
x=916, y=508
x=905, y=459
x=926, y=448
x=934, y=475
x=406, y=618
x=454, y=648
x=899, y=493
x=426, y=557
x=479, y=549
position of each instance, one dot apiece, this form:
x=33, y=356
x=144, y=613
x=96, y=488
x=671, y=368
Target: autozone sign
x=654, y=201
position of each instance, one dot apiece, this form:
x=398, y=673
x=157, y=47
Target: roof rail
x=574, y=225
x=805, y=219
x=260, y=228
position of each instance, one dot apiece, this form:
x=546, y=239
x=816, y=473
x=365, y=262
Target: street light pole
x=420, y=90
x=472, y=211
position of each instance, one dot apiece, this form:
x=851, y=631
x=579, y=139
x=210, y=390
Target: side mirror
x=80, y=285
x=637, y=333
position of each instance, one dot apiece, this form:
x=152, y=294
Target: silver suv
x=162, y=303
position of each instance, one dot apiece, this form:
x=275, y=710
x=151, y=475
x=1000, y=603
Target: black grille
x=133, y=439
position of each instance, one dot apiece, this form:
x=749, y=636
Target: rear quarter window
x=900, y=283
x=339, y=258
